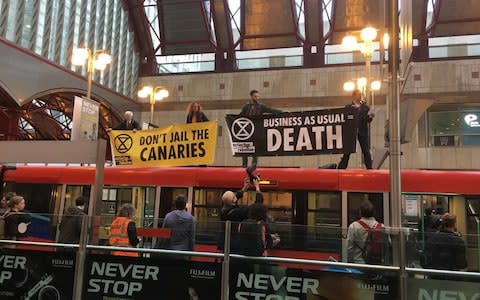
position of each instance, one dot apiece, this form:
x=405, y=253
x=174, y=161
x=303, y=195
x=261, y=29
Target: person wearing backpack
x=366, y=238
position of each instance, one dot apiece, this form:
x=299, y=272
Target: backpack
x=373, y=249
x=250, y=238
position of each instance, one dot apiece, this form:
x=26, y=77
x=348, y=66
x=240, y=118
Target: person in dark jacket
x=446, y=249
x=4, y=202
x=71, y=225
x=182, y=226
x=128, y=122
x=364, y=117
x=195, y=113
x=16, y=219
x=255, y=108
x=235, y=213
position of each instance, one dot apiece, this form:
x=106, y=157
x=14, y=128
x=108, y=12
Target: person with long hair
x=16, y=220
x=195, y=113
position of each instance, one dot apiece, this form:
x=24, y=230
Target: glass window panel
x=324, y=209
x=444, y=123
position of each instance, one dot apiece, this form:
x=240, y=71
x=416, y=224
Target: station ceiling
x=224, y=26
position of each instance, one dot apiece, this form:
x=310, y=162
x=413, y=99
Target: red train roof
x=418, y=181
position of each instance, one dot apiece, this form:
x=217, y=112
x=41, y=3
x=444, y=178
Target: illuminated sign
x=471, y=120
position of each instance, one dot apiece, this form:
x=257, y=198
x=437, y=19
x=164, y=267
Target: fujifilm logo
x=62, y=263
x=200, y=273
x=435, y=294
x=377, y=288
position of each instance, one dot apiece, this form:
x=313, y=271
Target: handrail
x=444, y=272
x=213, y=255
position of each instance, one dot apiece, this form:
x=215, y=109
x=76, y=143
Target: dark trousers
x=245, y=161
x=367, y=157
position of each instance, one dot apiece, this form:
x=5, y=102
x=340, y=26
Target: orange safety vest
x=119, y=236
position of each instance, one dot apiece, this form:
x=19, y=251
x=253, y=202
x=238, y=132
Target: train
x=310, y=208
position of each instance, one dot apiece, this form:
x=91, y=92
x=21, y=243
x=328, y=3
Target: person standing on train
x=255, y=108
x=445, y=249
x=364, y=117
x=195, y=113
x=182, y=226
x=123, y=231
x=71, y=225
x=17, y=219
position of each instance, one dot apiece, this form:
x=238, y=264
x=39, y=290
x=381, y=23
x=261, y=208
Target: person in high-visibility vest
x=123, y=232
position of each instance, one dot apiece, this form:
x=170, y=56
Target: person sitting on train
x=71, y=224
x=446, y=249
x=182, y=225
x=16, y=219
x=123, y=231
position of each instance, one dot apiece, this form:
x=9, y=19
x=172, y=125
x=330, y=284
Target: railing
x=359, y=272
x=331, y=58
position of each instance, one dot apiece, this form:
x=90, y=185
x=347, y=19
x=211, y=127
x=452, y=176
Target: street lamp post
x=156, y=94
x=96, y=60
x=367, y=35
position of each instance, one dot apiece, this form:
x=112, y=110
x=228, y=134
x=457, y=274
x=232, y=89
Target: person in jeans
x=255, y=108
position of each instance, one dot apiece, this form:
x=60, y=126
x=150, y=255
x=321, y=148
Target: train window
x=354, y=201
x=279, y=205
x=167, y=199
x=324, y=209
x=207, y=204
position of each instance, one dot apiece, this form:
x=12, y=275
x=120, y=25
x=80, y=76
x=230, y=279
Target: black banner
x=253, y=281
x=36, y=275
x=329, y=131
x=114, y=277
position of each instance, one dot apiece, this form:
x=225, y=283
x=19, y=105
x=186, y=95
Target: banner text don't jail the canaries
x=175, y=145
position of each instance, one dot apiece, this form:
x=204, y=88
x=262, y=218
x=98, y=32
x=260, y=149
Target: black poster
x=328, y=131
x=115, y=277
x=253, y=281
x=36, y=275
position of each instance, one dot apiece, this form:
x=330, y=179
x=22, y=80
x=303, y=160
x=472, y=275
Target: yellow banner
x=175, y=145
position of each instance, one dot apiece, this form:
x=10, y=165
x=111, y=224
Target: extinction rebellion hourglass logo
x=123, y=143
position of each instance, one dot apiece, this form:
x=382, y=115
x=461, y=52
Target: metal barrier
x=226, y=257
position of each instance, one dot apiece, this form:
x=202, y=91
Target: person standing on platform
x=255, y=108
x=364, y=117
x=182, y=225
x=4, y=202
x=232, y=211
x=128, y=122
x=195, y=113
x=445, y=249
x=123, y=231
x=16, y=219
x=71, y=225
x=358, y=234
